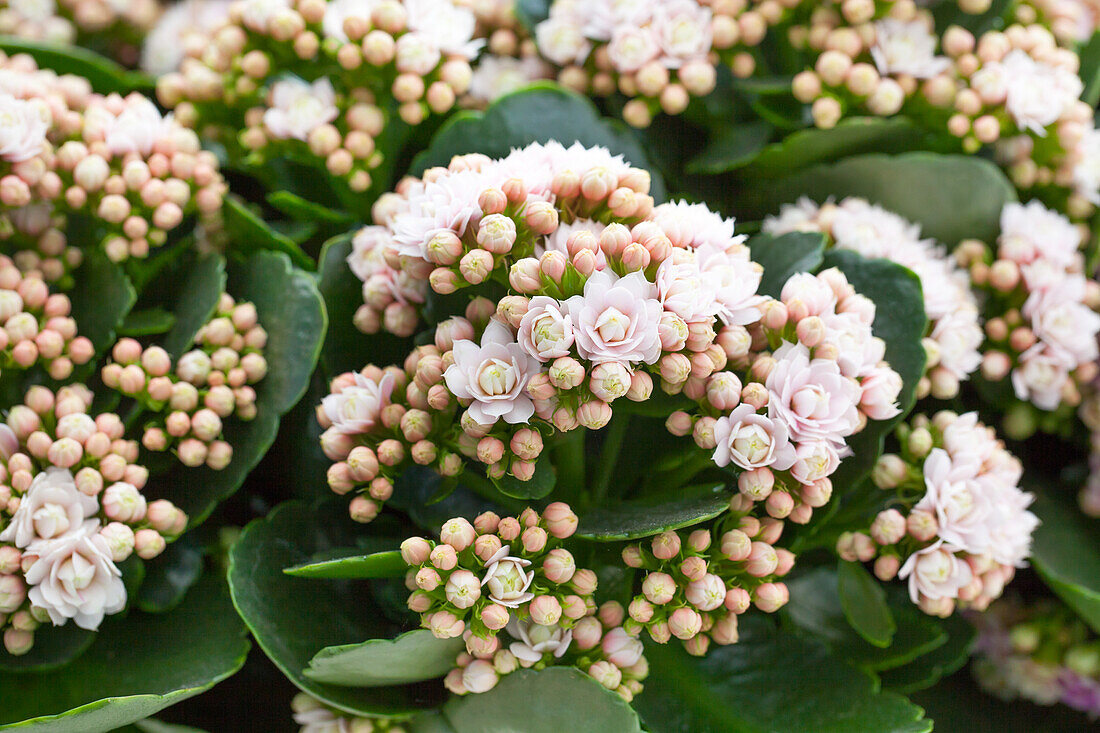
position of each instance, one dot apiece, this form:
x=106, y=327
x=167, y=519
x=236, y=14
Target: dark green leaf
x=732, y=148
x=927, y=669
x=786, y=255
x=417, y=485
x=764, y=85
x=104, y=75
x=196, y=304
x=851, y=136
x=152, y=725
x=53, y=647
x=102, y=298
x=292, y=312
x=539, y=113
x=553, y=700
x=768, y=681
x=952, y=197
x=249, y=233
x=138, y=665
x=148, y=322
x=170, y=575
x=294, y=618
x=1090, y=70
x=541, y=484
x=414, y=656
x=376, y=565
x=864, y=604
x=302, y=209
x=1066, y=552
x=532, y=12
x=630, y=520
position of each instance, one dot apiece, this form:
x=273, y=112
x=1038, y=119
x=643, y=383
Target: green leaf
x=1066, y=552
x=851, y=136
x=148, y=322
x=102, y=298
x=138, y=665
x=733, y=147
x=541, y=484
x=249, y=233
x=1090, y=70
x=104, y=75
x=815, y=611
x=198, y=299
x=928, y=669
x=630, y=520
x=415, y=488
x=864, y=603
x=292, y=312
x=152, y=725
x=170, y=575
x=375, y=565
x=414, y=656
x=346, y=348
x=294, y=618
x=302, y=209
x=549, y=701
x=952, y=197
x=538, y=113
x=532, y=12
x=768, y=681
x=53, y=648
x=786, y=255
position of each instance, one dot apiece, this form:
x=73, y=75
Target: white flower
x=695, y=225
x=800, y=216
x=448, y=202
x=23, y=127
x=906, y=48
x=562, y=41
x=812, y=397
x=751, y=441
x=337, y=11
x=959, y=337
x=683, y=31
x=256, y=13
x=1031, y=231
x=507, y=580
x=631, y=48
x=735, y=279
x=51, y=508
x=162, y=50
x=356, y=409
x=859, y=350
x=298, y=107
x=1063, y=322
x=687, y=291
x=445, y=25
x=617, y=318
x=494, y=76
x=600, y=18
x=1038, y=94
x=1086, y=173
x=535, y=640
x=73, y=577
x=935, y=572
x=1040, y=377
x=958, y=500
x=493, y=376
x=546, y=331
x=137, y=128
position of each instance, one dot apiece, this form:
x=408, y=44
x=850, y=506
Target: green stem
x=609, y=456
x=569, y=459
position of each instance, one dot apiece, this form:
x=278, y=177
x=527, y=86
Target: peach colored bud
x=363, y=510
x=583, y=582
x=762, y=560
x=632, y=556
x=770, y=597
x=444, y=625
x=458, y=533
x=886, y=568
x=414, y=550
x=659, y=588
x=545, y=610
x=684, y=623
x=148, y=543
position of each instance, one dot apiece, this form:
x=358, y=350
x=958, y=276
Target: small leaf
x=414, y=656
x=104, y=75
x=734, y=147
x=376, y=565
x=633, y=519
x=864, y=604
x=197, y=301
x=928, y=669
x=552, y=700
x=302, y=209
x=540, y=484
x=784, y=256
x=170, y=575
x=1090, y=70
x=851, y=136
x=538, y=113
x=148, y=322
x=1066, y=551
x=102, y=298
x=250, y=233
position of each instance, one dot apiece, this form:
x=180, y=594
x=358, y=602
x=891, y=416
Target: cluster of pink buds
x=696, y=584
x=1041, y=327
x=954, y=333
x=70, y=501
x=660, y=54
x=313, y=80
x=483, y=575
x=87, y=22
x=116, y=160
x=810, y=374
x=35, y=235
x=958, y=525
x=510, y=60
x=207, y=385
x=36, y=326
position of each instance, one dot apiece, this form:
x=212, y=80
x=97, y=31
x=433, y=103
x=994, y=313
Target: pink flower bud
x=565, y=373
x=641, y=387
x=524, y=276
x=762, y=560
x=463, y=589
x=770, y=597
x=694, y=567
x=545, y=610
x=706, y=593
x=679, y=423
x=496, y=233
x=779, y=504
x=659, y=588
x=559, y=566
x=886, y=568
x=419, y=601
x=666, y=545
x=443, y=557
x=632, y=556
x=609, y=381
x=737, y=546
x=641, y=610
x=124, y=503
x=148, y=543
x=534, y=539
x=587, y=633
x=444, y=625
x=583, y=582
x=414, y=550
x=479, y=676
x=458, y=533
x=888, y=528
x=756, y=484
x=922, y=525
x=684, y=623
x=594, y=414
x=363, y=510
x=427, y=579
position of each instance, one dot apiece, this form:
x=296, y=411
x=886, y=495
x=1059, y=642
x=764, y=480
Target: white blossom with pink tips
x=751, y=441
x=936, y=572
x=812, y=397
x=356, y=408
x=493, y=376
x=616, y=319
x=52, y=507
x=297, y=108
x=535, y=640
x=23, y=127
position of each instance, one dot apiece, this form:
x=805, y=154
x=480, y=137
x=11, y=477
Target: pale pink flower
x=751, y=441
x=297, y=108
x=735, y=279
x=337, y=11
x=871, y=230
x=1031, y=231
x=356, y=408
x=23, y=127
x=495, y=76
x=73, y=577
x=696, y=226
x=906, y=48
x=814, y=460
x=600, y=18
x=256, y=14
x=507, y=579
x=52, y=507
x=812, y=397
x=620, y=648
x=562, y=41
x=446, y=25
x=683, y=31
x=632, y=47
x=493, y=375
x=534, y=640
x=812, y=291
x=449, y=202
x=935, y=572
x=1086, y=172
x=1065, y=324
x=686, y=290
x=954, y=495
x=616, y=319
x=881, y=386
x=162, y=50
x=137, y=128
x=546, y=330
x=959, y=337
x=1040, y=376
x=859, y=350
x=1038, y=93
x=800, y=216
x=367, y=248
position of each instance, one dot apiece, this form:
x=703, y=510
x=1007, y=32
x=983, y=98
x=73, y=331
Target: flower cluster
x=115, y=25
x=207, y=385
x=181, y=30
x=1041, y=328
x=1041, y=653
x=37, y=326
x=71, y=508
x=316, y=717
x=658, y=54
x=959, y=525
x=954, y=332
x=113, y=160
x=312, y=80
x=696, y=584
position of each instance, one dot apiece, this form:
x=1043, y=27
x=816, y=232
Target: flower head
x=493, y=375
